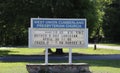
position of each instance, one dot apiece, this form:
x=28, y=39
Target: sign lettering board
x=58, y=38
x=57, y=23
x=58, y=33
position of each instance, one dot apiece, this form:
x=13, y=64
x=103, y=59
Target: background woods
x=103, y=17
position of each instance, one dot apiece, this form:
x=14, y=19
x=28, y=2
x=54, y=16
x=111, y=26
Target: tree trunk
x=95, y=44
x=49, y=50
x=59, y=51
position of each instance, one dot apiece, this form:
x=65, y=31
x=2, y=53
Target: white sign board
x=58, y=38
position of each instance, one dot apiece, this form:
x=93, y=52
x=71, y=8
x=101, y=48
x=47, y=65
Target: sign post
x=70, y=55
x=58, y=33
x=46, y=56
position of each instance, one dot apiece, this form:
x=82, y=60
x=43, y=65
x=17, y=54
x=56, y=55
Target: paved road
x=105, y=46
x=41, y=58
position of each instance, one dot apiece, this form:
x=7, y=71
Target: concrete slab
x=58, y=68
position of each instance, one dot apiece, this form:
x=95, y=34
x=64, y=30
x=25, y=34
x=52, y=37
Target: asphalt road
x=105, y=46
x=41, y=58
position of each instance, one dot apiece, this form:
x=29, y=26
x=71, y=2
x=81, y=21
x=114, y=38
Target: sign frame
x=51, y=27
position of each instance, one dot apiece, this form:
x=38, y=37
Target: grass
x=21, y=51
x=96, y=66
x=40, y=51
x=95, y=52
x=104, y=66
x=13, y=67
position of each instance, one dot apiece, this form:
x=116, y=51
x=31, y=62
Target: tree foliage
x=112, y=22
x=15, y=16
x=97, y=28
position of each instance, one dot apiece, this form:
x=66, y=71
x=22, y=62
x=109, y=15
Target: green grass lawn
x=13, y=67
x=104, y=66
x=40, y=51
x=96, y=66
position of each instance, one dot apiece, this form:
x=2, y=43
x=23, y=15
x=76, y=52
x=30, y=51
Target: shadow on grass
x=92, y=63
x=99, y=63
x=6, y=52
x=14, y=53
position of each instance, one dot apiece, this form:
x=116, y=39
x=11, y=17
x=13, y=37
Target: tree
x=111, y=22
x=15, y=16
x=72, y=9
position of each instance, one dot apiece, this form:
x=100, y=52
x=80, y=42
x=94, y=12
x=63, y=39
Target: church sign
x=58, y=33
